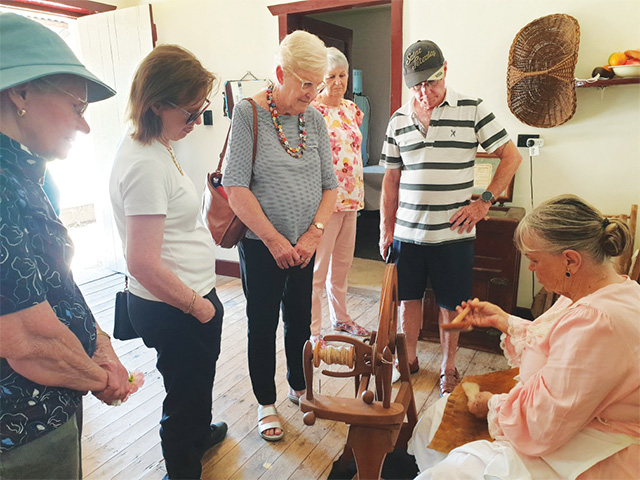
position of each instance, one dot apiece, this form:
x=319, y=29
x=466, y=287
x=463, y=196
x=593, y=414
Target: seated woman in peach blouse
x=575, y=412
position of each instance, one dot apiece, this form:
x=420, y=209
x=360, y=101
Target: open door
x=293, y=16
x=333, y=36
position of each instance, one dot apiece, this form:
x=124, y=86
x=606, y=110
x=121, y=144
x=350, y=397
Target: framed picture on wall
x=484, y=170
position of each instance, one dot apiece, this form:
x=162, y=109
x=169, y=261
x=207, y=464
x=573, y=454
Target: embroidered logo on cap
x=414, y=60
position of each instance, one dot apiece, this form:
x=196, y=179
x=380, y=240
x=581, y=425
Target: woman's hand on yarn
x=479, y=404
x=485, y=314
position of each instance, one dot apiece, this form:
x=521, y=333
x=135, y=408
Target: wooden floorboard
x=123, y=442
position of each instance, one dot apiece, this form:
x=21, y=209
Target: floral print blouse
x=343, y=123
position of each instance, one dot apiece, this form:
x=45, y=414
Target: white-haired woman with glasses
x=169, y=252
x=285, y=199
x=335, y=252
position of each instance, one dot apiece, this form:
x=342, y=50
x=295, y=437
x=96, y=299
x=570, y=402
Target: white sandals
x=264, y=412
x=294, y=396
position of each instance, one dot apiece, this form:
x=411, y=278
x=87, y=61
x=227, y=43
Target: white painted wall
x=229, y=38
x=595, y=155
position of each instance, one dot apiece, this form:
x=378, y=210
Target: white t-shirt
x=145, y=181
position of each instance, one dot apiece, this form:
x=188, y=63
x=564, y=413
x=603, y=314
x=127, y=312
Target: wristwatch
x=487, y=196
x=319, y=226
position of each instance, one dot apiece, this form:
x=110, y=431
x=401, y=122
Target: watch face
x=487, y=196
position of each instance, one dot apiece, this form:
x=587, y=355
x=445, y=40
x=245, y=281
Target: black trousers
x=187, y=351
x=268, y=289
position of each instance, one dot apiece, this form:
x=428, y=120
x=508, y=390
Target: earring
x=22, y=112
x=567, y=274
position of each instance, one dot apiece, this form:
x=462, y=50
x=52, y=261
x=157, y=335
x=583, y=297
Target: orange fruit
x=617, y=58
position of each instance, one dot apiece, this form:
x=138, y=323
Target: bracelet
x=100, y=332
x=193, y=302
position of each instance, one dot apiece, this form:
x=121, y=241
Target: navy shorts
x=448, y=268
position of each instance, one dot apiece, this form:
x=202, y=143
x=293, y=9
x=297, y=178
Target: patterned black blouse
x=35, y=266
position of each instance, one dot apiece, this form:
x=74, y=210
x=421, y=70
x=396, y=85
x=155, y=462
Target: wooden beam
x=319, y=6
x=67, y=8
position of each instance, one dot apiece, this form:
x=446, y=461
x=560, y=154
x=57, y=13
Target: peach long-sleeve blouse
x=579, y=368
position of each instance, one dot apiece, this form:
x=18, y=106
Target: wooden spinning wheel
x=376, y=423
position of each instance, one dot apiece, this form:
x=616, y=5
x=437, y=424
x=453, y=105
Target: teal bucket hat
x=29, y=50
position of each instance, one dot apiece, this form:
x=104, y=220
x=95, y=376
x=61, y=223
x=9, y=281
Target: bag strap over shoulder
x=218, y=172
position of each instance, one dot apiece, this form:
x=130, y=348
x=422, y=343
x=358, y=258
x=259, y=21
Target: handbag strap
x=218, y=171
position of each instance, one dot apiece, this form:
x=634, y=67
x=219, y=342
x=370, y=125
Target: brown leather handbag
x=225, y=227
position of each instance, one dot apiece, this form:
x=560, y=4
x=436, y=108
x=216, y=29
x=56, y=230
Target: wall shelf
x=610, y=82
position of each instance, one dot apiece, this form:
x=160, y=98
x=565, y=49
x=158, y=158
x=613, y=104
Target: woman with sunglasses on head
x=169, y=252
x=285, y=199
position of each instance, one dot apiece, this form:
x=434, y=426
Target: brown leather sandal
x=448, y=381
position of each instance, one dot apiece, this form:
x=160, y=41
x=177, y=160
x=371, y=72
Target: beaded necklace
x=175, y=161
x=302, y=132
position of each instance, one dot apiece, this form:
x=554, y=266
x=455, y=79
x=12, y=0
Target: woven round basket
x=540, y=78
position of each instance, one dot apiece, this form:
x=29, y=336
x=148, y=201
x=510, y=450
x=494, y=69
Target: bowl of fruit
x=625, y=64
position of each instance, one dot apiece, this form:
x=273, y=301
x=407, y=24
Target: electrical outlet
x=522, y=139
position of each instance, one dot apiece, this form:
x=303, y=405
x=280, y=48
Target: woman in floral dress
x=335, y=252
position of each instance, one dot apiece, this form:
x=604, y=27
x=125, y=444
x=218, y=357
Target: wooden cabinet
x=495, y=277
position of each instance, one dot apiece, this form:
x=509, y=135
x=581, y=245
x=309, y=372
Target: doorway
x=370, y=35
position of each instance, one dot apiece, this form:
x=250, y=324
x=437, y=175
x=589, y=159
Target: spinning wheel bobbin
x=333, y=355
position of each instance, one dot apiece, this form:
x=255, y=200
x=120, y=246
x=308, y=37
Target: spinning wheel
x=376, y=423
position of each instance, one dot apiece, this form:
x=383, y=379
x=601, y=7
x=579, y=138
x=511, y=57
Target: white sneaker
x=395, y=375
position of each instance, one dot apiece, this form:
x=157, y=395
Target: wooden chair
x=634, y=273
x=376, y=423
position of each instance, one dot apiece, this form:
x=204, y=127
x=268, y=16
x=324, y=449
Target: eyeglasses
x=429, y=84
x=80, y=109
x=309, y=86
x=192, y=117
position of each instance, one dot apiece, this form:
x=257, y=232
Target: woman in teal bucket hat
x=52, y=351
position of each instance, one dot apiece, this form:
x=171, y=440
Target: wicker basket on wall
x=540, y=78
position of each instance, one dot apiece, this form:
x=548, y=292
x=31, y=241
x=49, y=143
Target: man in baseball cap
x=423, y=62
x=427, y=216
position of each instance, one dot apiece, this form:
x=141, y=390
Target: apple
x=632, y=61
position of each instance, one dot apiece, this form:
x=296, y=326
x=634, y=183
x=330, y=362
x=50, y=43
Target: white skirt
x=499, y=460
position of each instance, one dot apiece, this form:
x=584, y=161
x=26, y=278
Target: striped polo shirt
x=437, y=167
